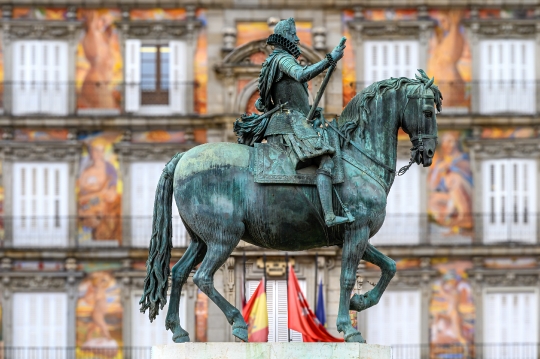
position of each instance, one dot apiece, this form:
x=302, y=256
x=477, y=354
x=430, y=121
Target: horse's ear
x=429, y=83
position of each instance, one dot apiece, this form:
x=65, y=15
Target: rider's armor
x=284, y=81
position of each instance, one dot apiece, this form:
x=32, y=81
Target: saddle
x=272, y=163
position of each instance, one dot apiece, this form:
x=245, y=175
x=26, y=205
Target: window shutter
x=402, y=223
x=281, y=309
x=178, y=86
x=395, y=321
x=40, y=321
x=385, y=59
x=54, y=90
x=507, y=76
x=40, y=204
x=27, y=77
x=509, y=212
x=145, y=177
x=133, y=75
x=511, y=324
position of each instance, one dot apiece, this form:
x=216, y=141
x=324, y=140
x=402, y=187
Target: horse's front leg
x=353, y=249
x=388, y=268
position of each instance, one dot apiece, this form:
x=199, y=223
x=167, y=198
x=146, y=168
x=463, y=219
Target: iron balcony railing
x=411, y=351
x=397, y=230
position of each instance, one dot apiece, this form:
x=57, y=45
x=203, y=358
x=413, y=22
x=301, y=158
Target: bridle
x=420, y=135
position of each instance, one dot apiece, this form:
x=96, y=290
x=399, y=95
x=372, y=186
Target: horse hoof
x=240, y=333
x=183, y=338
x=354, y=337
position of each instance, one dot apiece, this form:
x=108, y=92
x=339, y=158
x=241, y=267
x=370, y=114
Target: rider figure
x=284, y=80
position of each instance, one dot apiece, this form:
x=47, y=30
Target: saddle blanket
x=272, y=164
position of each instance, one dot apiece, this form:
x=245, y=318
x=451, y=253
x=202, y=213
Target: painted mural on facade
x=452, y=311
x=450, y=58
x=39, y=13
x=99, y=61
x=508, y=132
x=201, y=66
x=99, y=317
x=510, y=263
x=99, y=190
x=450, y=190
x=157, y=14
x=348, y=69
x=38, y=135
x=247, y=31
x=2, y=232
x=201, y=317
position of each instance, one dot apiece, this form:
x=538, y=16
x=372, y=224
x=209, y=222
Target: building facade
x=96, y=99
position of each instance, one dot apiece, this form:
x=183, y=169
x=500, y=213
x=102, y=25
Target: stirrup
x=335, y=220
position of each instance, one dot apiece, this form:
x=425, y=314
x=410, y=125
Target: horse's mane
x=355, y=114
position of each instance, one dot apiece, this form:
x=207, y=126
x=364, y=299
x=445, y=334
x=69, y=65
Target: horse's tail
x=156, y=282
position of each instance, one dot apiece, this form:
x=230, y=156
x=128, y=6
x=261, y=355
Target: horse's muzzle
x=423, y=153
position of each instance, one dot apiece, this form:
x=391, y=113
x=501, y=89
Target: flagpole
x=316, y=278
x=264, y=264
x=287, y=285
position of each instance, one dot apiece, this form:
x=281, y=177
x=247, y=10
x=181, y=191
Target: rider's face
x=291, y=36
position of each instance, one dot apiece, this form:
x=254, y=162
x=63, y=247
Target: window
x=40, y=326
x=156, y=77
x=146, y=334
x=385, y=59
x=40, y=207
x=509, y=192
x=40, y=77
x=144, y=180
x=507, y=76
x=510, y=324
x=276, y=298
x=402, y=223
x=395, y=321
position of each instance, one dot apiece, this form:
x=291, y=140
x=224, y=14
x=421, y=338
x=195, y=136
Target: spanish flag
x=256, y=315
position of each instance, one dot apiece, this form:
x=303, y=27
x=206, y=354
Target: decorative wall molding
x=505, y=278
x=158, y=29
x=390, y=29
x=514, y=147
x=36, y=29
x=503, y=28
x=131, y=152
x=41, y=151
x=403, y=278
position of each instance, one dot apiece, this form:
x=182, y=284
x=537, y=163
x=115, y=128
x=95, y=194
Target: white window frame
x=384, y=326
x=499, y=226
x=142, y=208
x=402, y=223
x=38, y=331
x=178, y=76
x=40, y=77
x=30, y=226
x=146, y=334
x=501, y=347
x=507, y=76
x=396, y=64
x=277, y=315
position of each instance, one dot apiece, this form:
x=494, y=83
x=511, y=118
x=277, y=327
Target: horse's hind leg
x=180, y=273
x=388, y=268
x=353, y=248
x=204, y=278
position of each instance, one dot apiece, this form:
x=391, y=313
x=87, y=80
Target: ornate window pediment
x=497, y=148
x=497, y=28
x=504, y=277
x=41, y=151
x=158, y=29
x=390, y=29
x=42, y=30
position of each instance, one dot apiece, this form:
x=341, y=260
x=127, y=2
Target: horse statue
x=220, y=203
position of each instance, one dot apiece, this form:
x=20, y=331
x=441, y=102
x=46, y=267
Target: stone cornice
x=37, y=29
x=390, y=29
x=130, y=151
x=403, y=278
x=41, y=151
x=514, y=147
x=158, y=29
x=497, y=28
x=505, y=277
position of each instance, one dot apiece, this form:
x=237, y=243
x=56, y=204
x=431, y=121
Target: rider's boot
x=324, y=186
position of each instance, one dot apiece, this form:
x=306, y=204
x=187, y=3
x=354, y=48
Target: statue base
x=271, y=351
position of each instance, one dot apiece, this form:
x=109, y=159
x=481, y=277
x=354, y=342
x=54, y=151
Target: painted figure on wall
x=100, y=50
x=99, y=194
x=446, y=50
x=99, y=315
x=452, y=311
x=450, y=184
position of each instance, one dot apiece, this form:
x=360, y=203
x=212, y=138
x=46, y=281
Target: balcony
x=399, y=230
x=484, y=98
x=55, y=99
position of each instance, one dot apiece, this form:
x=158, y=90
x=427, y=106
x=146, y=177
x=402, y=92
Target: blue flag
x=319, y=311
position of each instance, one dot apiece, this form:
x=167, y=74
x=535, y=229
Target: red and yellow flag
x=255, y=314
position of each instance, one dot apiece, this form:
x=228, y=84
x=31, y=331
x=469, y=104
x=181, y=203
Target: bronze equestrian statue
x=278, y=195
